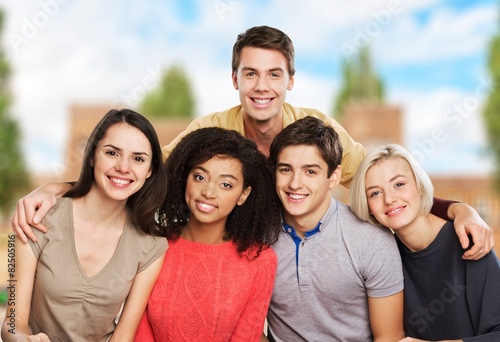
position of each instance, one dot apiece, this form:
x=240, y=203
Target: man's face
x=262, y=80
x=303, y=186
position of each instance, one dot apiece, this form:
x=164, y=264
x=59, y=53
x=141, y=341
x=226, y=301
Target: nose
x=390, y=197
x=123, y=165
x=295, y=181
x=261, y=84
x=208, y=191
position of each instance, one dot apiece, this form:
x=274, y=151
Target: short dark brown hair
x=264, y=37
x=309, y=131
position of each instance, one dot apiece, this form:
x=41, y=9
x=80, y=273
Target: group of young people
x=239, y=225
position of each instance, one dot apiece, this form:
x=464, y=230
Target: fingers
x=26, y=215
x=18, y=221
x=38, y=214
x=481, y=237
x=41, y=337
x=475, y=253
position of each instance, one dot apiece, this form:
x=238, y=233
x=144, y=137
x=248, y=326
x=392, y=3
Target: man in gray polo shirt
x=338, y=279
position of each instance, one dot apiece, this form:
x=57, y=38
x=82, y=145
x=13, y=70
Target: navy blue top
x=447, y=297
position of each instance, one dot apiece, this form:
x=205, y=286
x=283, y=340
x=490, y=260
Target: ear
x=291, y=82
x=150, y=172
x=244, y=195
x=335, y=178
x=234, y=78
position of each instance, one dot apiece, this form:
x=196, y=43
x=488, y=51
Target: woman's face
x=122, y=161
x=392, y=193
x=213, y=189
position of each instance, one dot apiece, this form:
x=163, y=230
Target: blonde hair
x=358, y=199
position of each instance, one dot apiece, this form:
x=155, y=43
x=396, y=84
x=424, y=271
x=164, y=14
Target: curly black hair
x=253, y=225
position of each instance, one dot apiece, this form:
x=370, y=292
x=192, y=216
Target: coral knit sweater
x=209, y=293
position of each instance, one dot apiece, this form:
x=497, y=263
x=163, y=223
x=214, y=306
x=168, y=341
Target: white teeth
x=207, y=206
x=397, y=210
x=296, y=197
x=262, y=101
x=120, y=181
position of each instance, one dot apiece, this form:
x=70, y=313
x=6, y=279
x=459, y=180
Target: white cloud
x=444, y=130
x=447, y=35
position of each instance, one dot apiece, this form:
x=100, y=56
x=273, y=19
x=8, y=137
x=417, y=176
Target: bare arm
x=386, y=317
x=136, y=302
x=16, y=324
x=31, y=209
x=467, y=221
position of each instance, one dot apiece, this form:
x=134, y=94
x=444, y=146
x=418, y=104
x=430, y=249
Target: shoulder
x=225, y=119
x=264, y=266
x=146, y=242
x=363, y=234
x=301, y=112
x=59, y=216
x=59, y=220
x=63, y=206
x=292, y=113
x=489, y=265
x=266, y=257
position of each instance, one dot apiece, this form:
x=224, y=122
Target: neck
x=202, y=233
x=307, y=222
x=420, y=234
x=99, y=210
x=262, y=133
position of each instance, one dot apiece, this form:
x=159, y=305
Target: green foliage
x=359, y=82
x=491, y=112
x=3, y=296
x=13, y=175
x=173, y=98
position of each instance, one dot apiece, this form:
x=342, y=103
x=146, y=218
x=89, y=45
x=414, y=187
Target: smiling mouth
x=296, y=197
x=206, y=206
x=261, y=101
x=395, y=211
x=120, y=181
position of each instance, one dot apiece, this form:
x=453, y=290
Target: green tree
x=491, y=112
x=173, y=98
x=13, y=174
x=359, y=82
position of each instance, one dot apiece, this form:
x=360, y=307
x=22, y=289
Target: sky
x=430, y=54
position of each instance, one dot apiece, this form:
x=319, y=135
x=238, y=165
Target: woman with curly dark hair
x=220, y=215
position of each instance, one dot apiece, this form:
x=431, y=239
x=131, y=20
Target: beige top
x=66, y=304
x=232, y=118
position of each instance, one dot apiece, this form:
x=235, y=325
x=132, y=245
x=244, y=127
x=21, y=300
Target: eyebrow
x=306, y=166
x=120, y=149
x=390, y=180
x=270, y=70
x=228, y=175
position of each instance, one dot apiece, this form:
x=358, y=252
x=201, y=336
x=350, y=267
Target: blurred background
x=421, y=73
